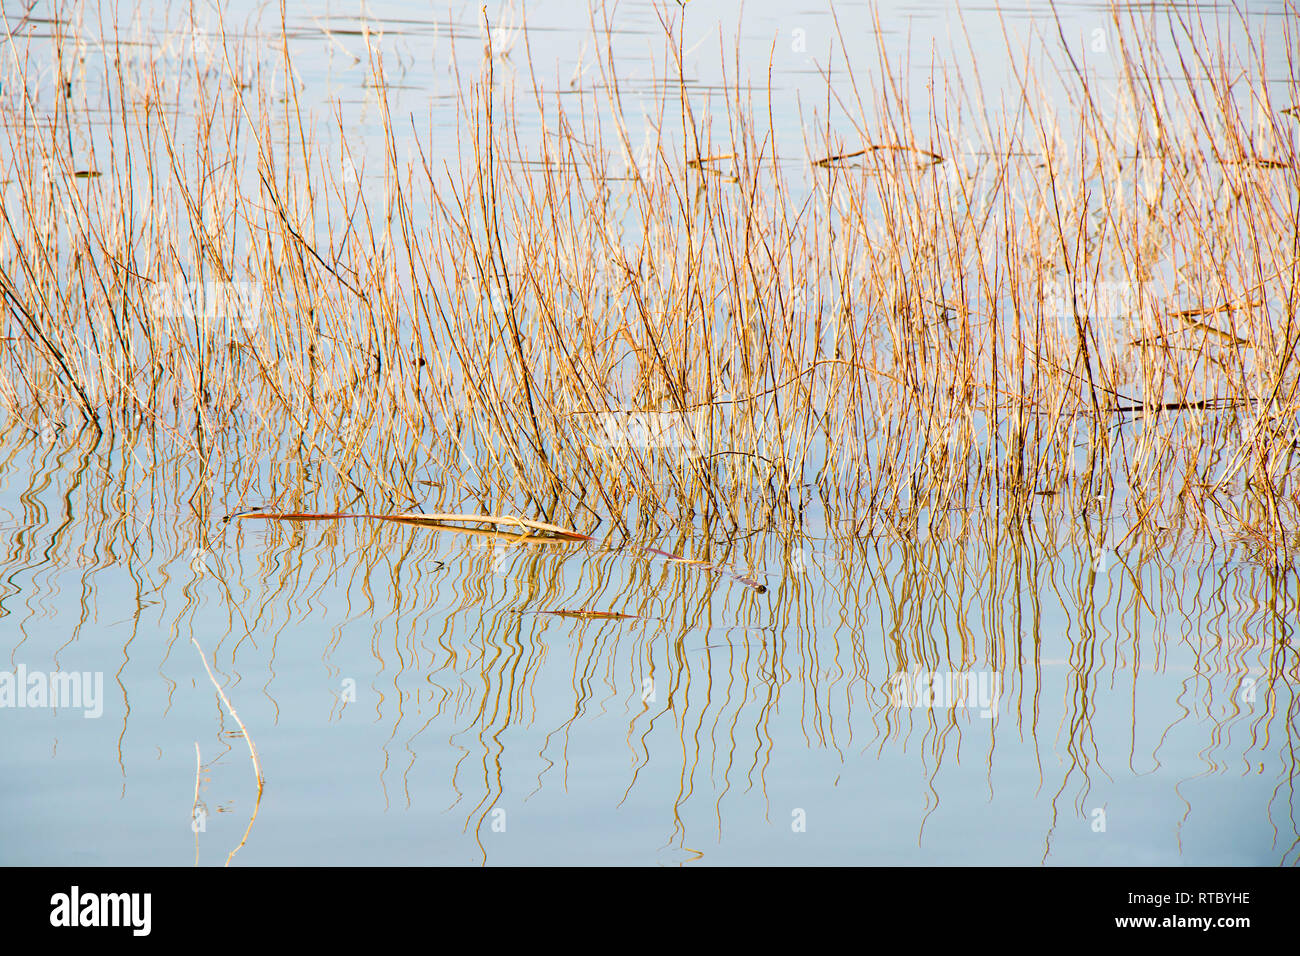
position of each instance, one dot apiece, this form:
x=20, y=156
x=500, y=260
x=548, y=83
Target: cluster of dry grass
x=1009, y=306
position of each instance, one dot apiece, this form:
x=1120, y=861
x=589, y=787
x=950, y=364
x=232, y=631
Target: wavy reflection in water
x=973, y=692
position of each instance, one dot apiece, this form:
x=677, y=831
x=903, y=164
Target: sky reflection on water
x=409, y=705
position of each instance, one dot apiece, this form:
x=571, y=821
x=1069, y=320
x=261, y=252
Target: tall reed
x=1013, y=306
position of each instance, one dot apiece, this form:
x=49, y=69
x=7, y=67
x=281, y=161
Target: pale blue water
x=1147, y=714
x=1125, y=694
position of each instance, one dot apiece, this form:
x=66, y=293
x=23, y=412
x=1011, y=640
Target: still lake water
x=412, y=701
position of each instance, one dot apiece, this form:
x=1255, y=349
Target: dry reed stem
x=879, y=345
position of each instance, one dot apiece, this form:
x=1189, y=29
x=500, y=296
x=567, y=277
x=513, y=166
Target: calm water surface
x=413, y=699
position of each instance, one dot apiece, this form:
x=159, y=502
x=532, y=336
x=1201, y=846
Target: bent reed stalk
x=1014, y=307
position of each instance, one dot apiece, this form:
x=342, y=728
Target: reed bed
x=1007, y=306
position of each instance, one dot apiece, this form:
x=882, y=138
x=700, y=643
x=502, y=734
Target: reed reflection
x=490, y=657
